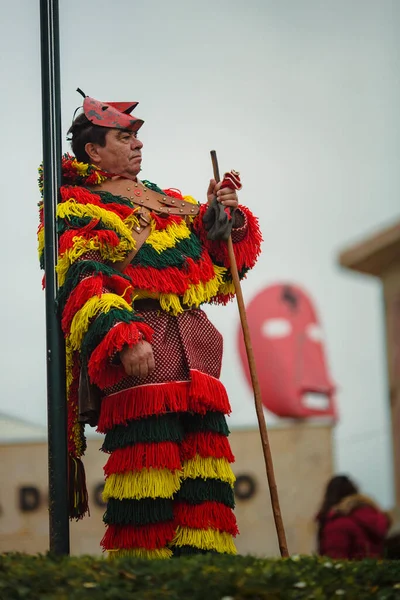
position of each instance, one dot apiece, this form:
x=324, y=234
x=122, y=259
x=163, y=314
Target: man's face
x=122, y=154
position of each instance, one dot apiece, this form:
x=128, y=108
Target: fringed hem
x=208, y=539
x=206, y=443
x=161, y=455
x=197, y=491
x=157, y=428
x=207, y=394
x=153, y=536
x=138, y=512
x=143, y=401
x=213, y=515
x=201, y=394
x=148, y=483
x=209, y=468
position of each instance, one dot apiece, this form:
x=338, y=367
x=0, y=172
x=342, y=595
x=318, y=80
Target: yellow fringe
x=159, y=554
x=81, y=246
x=145, y=294
x=195, y=295
x=190, y=199
x=166, y=238
x=89, y=310
x=190, y=218
x=171, y=303
x=203, y=292
x=208, y=468
x=227, y=288
x=71, y=208
x=206, y=539
x=147, y=483
x=40, y=237
x=81, y=168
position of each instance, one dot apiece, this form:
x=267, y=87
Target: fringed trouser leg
x=204, y=518
x=143, y=473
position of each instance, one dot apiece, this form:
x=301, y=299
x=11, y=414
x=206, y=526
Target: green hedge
x=208, y=577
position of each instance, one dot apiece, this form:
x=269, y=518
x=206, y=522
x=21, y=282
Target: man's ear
x=91, y=151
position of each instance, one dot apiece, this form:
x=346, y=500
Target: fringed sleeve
x=246, y=238
x=94, y=304
x=95, y=299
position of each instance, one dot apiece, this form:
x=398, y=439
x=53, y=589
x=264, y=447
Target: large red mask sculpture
x=289, y=353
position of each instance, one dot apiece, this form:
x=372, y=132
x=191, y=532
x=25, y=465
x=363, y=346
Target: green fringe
x=157, y=428
x=138, y=512
x=153, y=186
x=211, y=421
x=102, y=324
x=190, y=550
x=78, y=271
x=149, y=257
x=108, y=198
x=78, y=223
x=198, y=490
x=227, y=276
x=170, y=257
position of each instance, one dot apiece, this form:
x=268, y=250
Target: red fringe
x=206, y=443
x=151, y=536
x=101, y=371
x=172, y=280
x=157, y=455
x=143, y=401
x=173, y=193
x=246, y=251
x=214, y=515
x=163, y=222
x=222, y=298
x=120, y=286
x=84, y=196
x=201, y=394
x=86, y=289
x=207, y=393
x=104, y=237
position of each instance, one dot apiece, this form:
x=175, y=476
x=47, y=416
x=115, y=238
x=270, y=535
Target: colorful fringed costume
x=169, y=483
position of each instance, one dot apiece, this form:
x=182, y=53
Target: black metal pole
x=56, y=395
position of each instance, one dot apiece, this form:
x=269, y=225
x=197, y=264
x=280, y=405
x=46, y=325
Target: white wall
x=301, y=96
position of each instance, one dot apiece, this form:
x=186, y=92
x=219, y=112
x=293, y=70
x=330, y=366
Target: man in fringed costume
x=135, y=265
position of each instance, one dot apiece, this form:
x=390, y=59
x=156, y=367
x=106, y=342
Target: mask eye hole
x=276, y=328
x=314, y=332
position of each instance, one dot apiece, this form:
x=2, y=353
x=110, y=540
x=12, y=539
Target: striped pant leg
x=143, y=473
x=203, y=508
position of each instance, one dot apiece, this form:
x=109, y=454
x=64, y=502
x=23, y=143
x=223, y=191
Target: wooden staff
x=273, y=490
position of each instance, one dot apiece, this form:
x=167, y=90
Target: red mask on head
x=289, y=353
x=115, y=115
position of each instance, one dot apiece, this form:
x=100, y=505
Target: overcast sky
x=301, y=96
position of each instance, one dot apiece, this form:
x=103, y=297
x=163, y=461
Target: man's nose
x=136, y=143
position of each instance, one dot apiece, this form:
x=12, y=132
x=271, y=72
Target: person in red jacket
x=350, y=525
